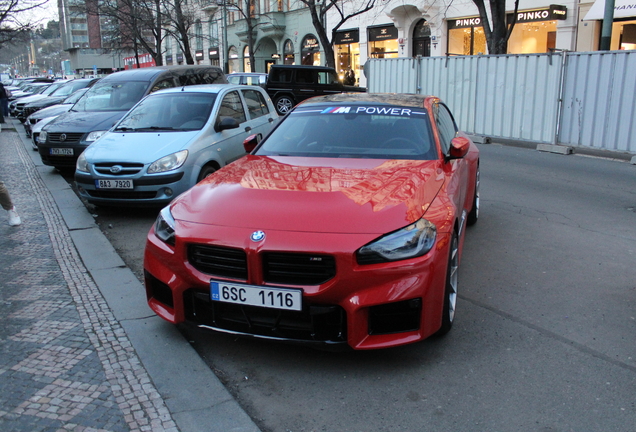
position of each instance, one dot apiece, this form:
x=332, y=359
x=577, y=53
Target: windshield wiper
x=125, y=129
x=153, y=128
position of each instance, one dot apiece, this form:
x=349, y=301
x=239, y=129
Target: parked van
x=64, y=139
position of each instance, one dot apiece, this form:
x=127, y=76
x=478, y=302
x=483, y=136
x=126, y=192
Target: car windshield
x=169, y=112
x=75, y=96
x=353, y=131
x=68, y=89
x=112, y=96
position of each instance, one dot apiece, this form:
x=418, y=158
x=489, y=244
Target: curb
x=195, y=397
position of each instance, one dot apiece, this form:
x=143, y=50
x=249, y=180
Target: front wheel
x=206, y=171
x=284, y=104
x=450, y=294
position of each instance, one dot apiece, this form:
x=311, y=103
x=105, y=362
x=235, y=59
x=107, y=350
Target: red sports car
x=344, y=226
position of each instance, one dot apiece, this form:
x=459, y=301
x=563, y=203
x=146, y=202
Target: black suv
x=288, y=85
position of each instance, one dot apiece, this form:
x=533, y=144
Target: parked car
x=171, y=140
x=58, y=95
x=64, y=139
x=248, y=78
x=19, y=104
x=25, y=91
x=343, y=227
x=288, y=85
x=36, y=121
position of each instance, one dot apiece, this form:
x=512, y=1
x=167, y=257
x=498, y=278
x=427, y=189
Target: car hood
x=29, y=99
x=51, y=111
x=37, y=128
x=46, y=101
x=75, y=121
x=138, y=147
x=313, y=194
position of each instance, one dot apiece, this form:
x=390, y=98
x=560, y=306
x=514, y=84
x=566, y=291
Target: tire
x=284, y=104
x=450, y=292
x=474, y=212
x=206, y=171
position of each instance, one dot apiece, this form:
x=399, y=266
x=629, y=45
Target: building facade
x=283, y=33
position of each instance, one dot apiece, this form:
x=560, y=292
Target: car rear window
x=353, y=131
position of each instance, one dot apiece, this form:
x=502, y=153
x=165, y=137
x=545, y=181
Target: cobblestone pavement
x=65, y=362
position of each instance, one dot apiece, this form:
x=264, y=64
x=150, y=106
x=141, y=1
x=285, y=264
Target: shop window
x=623, y=35
x=531, y=37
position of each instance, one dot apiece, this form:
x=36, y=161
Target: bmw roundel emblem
x=257, y=236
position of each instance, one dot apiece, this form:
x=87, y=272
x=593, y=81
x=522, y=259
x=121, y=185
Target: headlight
x=42, y=136
x=95, y=135
x=409, y=242
x=81, y=164
x=168, y=163
x=164, y=226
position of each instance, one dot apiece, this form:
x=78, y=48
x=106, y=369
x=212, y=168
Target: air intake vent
x=218, y=261
x=297, y=269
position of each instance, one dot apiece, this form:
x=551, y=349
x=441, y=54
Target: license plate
x=275, y=298
x=62, y=151
x=114, y=184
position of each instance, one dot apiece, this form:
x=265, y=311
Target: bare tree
x=180, y=17
x=248, y=10
x=135, y=25
x=496, y=29
x=13, y=27
x=346, y=9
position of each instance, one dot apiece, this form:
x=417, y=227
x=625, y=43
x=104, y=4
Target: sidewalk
x=79, y=348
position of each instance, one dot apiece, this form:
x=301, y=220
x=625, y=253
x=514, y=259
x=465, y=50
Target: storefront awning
x=622, y=9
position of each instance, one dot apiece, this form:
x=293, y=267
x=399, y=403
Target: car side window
x=327, y=78
x=231, y=106
x=281, y=76
x=304, y=76
x=256, y=104
x=163, y=84
x=446, y=126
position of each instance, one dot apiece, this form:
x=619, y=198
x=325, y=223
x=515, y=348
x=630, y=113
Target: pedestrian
x=4, y=103
x=7, y=204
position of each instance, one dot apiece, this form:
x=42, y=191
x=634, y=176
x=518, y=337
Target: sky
x=48, y=12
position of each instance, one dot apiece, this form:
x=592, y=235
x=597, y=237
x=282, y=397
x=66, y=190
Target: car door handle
x=247, y=129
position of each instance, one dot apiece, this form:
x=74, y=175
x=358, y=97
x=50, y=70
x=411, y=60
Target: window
x=446, y=126
x=164, y=84
x=214, y=33
x=327, y=78
x=232, y=107
x=256, y=104
x=304, y=76
x=198, y=31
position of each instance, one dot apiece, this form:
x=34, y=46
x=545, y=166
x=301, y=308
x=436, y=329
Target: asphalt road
x=544, y=338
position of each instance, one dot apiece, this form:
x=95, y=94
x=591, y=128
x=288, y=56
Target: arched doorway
x=422, y=39
x=234, y=63
x=310, y=51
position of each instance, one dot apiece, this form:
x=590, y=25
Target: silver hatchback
x=171, y=140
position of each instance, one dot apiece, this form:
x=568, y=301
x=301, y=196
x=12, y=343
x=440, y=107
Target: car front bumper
x=149, y=190
x=365, y=306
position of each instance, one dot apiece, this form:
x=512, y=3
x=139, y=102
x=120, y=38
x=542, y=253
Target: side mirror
x=459, y=147
x=226, y=123
x=251, y=142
